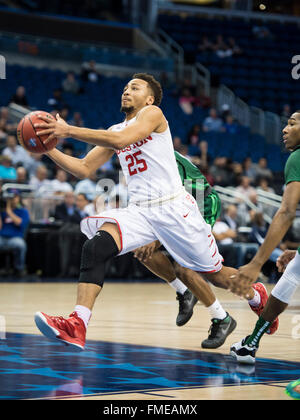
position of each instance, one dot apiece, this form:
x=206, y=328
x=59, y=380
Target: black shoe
x=187, y=301
x=218, y=332
x=243, y=353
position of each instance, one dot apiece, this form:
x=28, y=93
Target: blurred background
x=229, y=73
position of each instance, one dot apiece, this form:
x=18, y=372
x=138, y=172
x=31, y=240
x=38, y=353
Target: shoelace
x=181, y=300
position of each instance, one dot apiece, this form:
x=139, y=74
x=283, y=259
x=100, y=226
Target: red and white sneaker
x=260, y=288
x=70, y=331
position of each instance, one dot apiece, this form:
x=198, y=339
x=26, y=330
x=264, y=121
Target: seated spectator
x=194, y=135
x=70, y=84
x=88, y=187
x=22, y=176
x=56, y=100
x=3, y=130
x=220, y=171
x=205, y=44
x=40, y=181
x=89, y=72
x=249, y=169
x=236, y=50
x=230, y=126
x=221, y=48
x=7, y=170
x=262, y=170
x=263, y=185
x=16, y=152
x=77, y=120
x=186, y=101
x=96, y=206
x=9, y=125
x=13, y=224
x=212, y=122
x=202, y=100
x=60, y=185
x=19, y=97
x=225, y=236
x=67, y=211
x=245, y=188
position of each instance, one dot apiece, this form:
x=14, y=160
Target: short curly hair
x=154, y=85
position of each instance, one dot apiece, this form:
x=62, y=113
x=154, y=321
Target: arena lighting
x=262, y=6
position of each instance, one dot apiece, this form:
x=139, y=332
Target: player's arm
x=82, y=168
x=149, y=120
x=281, y=222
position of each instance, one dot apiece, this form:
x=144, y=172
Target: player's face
x=135, y=96
x=291, y=132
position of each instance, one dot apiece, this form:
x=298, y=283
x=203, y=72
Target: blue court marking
x=33, y=367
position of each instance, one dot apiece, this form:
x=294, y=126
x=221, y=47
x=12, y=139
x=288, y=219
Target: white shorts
x=177, y=224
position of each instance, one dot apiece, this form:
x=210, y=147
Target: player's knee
x=95, y=253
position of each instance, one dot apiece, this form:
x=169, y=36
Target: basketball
x=27, y=136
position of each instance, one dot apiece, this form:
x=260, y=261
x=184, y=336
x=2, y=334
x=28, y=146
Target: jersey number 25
x=135, y=164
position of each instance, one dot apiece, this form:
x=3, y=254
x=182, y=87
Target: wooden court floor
x=133, y=330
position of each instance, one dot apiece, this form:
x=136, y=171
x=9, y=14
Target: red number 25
x=136, y=164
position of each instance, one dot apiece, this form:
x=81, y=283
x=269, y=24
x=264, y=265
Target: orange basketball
x=27, y=136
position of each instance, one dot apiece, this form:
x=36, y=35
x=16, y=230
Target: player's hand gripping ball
x=26, y=133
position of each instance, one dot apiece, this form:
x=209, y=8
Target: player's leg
x=95, y=253
x=245, y=350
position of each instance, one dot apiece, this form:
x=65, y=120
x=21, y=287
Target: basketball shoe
x=187, y=301
x=70, y=331
x=243, y=353
x=218, y=332
x=260, y=288
x=293, y=389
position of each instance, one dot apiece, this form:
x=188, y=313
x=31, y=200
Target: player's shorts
x=177, y=224
x=212, y=208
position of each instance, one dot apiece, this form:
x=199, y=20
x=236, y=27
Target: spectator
x=19, y=97
x=263, y=185
x=221, y=48
x=225, y=237
x=212, y=122
x=16, y=152
x=230, y=126
x=9, y=125
x=7, y=170
x=262, y=170
x=194, y=135
x=70, y=84
x=219, y=171
x=186, y=101
x=261, y=32
x=89, y=72
x=67, y=211
x=22, y=176
x=40, y=181
x=13, y=224
x=32, y=164
x=59, y=184
x=56, y=101
x=249, y=169
x=77, y=120
x=203, y=101
x=245, y=189
x=205, y=45
x=236, y=50
x=88, y=187
x=3, y=130
x=96, y=206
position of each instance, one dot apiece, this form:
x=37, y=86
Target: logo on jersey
x=135, y=145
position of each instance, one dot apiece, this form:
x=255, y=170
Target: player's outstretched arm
x=81, y=168
x=150, y=119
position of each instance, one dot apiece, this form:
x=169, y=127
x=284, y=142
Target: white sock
x=178, y=286
x=289, y=281
x=84, y=313
x=256, y=300
x=216, y=310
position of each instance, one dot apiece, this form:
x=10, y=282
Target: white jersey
x=149, y=166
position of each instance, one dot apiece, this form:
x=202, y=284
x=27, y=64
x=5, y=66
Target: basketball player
x=159, y=207
x=160, y=265
x=245, y=350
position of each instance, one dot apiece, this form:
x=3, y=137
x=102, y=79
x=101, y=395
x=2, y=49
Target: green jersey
x=210, y=206
x=292, y=169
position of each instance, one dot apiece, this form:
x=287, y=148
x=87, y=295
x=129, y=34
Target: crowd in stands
x=76, y=199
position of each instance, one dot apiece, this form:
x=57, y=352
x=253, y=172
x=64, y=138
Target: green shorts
x=212, y=208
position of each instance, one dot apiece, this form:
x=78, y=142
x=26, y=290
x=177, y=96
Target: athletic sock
x=178, y=286
x=216, y=310
x=83, y=313
x=256, y=300
x=260, y=328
